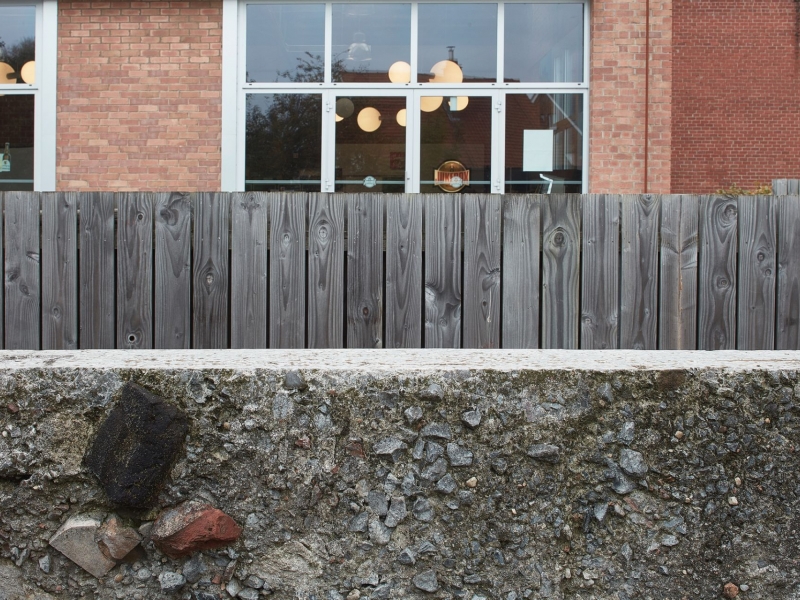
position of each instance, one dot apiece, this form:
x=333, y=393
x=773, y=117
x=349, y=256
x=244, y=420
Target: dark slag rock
x=136, y=447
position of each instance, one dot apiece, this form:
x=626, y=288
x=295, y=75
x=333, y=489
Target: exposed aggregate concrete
x=467, y=475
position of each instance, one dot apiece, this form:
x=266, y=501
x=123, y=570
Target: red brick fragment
x=193, y=526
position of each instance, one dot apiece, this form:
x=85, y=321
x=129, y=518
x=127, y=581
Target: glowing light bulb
x=369, y=119
x=430, y=103
x=400, y=72
x=401, y=117
x=28, y=72
x=446, y=71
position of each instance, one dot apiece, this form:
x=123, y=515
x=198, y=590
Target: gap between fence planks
x=255, y=270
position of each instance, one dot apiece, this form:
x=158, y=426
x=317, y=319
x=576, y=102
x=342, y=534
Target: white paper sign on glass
x=537, y=150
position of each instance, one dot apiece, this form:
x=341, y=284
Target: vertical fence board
x=600, y=273
x=521, y=239
x=59, y=271
x=249, y=307
x=2, y=288
x=135, y=271
x=678, y=301
x=639, y=272
x=561, y=221
x=716, y=320
x=403, y=271
x=365, y=271
x=172, y=312
x=287, y=270
x=780, y=187
x=97, y=285
x=326, y=271
x=757, y=273
x=210, y=271
x=482, y=271
x=22, y=289
x=442, y=271
x=787, y=334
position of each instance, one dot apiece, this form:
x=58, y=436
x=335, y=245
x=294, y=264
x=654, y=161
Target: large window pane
x=17, y=44
x=16, y=143
x=283, y=142
x=368, y=39
x=456, y=144
x=285, y=42
x=544, y=143
x=544, y=42
x=457, y=42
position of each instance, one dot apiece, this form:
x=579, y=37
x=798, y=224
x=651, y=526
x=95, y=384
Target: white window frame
x=43, y=91
x=235, y=89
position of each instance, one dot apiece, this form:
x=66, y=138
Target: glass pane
x=370, y=144
x=17, y=44
x=283, y=142
x=544, y=42
x=456, y=144
x=369, y=40
x=457, y=42
x=16, y=143
x=544, y=143
x=285, y=42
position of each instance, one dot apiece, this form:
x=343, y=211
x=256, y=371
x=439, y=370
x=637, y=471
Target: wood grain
x=287, y=271
x=97, y=283
x=59, y=271
x=521, y=244
x=210, y=271
x=326, y=271
x=481, y=328
x=442, y=271
x=249, y=255
x=403, y=271
x=639, y=272
x=135, y=271
x=22, y=276
x=561, y=219
x=678, y=299
x=173, y=271
x=365, y=270
x=787, y=334
x=716, y=320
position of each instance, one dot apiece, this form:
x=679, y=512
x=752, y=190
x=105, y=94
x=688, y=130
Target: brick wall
x=736, y=97
x=139, y=100
x=620, y=150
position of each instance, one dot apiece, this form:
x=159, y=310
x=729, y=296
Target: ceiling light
x=400, y=72
x=459, y=102
x=447, y=71
x=369, y=119
x=28, y=72
x=430, y=103
x=401, y=117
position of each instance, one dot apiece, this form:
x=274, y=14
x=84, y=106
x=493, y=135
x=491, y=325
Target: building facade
x=510, y=96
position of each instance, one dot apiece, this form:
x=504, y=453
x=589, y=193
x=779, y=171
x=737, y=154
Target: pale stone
x=75, y=539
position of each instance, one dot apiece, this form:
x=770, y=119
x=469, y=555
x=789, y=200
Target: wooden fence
x=251, y=270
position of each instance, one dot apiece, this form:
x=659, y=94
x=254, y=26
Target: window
x=422, y=96
x=27, y=95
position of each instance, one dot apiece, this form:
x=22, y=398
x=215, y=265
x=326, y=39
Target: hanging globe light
x=459, y=103
x=401, y=117
x=5, y=71
x=400, y=72
x=447, y=71
x=430, y=103
x=369, y=119
x=344, y=107
x=28, y=72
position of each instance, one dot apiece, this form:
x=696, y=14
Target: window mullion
x=328, y=42
x=414, y=41
x=501, y=44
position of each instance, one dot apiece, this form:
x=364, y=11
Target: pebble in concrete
x=471, y=418
x=426, y=581
x=294, y=381
x=115, y=540
x=545, y=452
x=632, y=462
x=75, y=539
x=193, y=526
x=397, y=512
x=171, y=582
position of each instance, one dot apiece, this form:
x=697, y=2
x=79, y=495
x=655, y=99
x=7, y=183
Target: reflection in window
x=369, y=41
x=285, y=42
x=457, y=42
x=544, y=143
x=543, y=42
x=16, y=143
x=283, y=142
x=17, y=44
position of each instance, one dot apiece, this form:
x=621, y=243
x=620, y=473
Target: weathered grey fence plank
x=639, y=276
x=22, y=257
x=2, y=288
x=716, y=320
x=135, y=271
x=59, y=271
x=785, y=187
x=442, y=271
x=249, y=300
x=403, y=271
x=600, y=272
x=678, y=301
x=210, y=271
x=173, y=271
x=787, y=334
x=326, y=271
x=757, y=273
x=96, y=307
x=521, y=240
x=287, y=313
x=481, y=297
x=365, y=271
x=561, y=221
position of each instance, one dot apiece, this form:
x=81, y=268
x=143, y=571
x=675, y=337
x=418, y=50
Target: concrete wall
x=543, y=474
